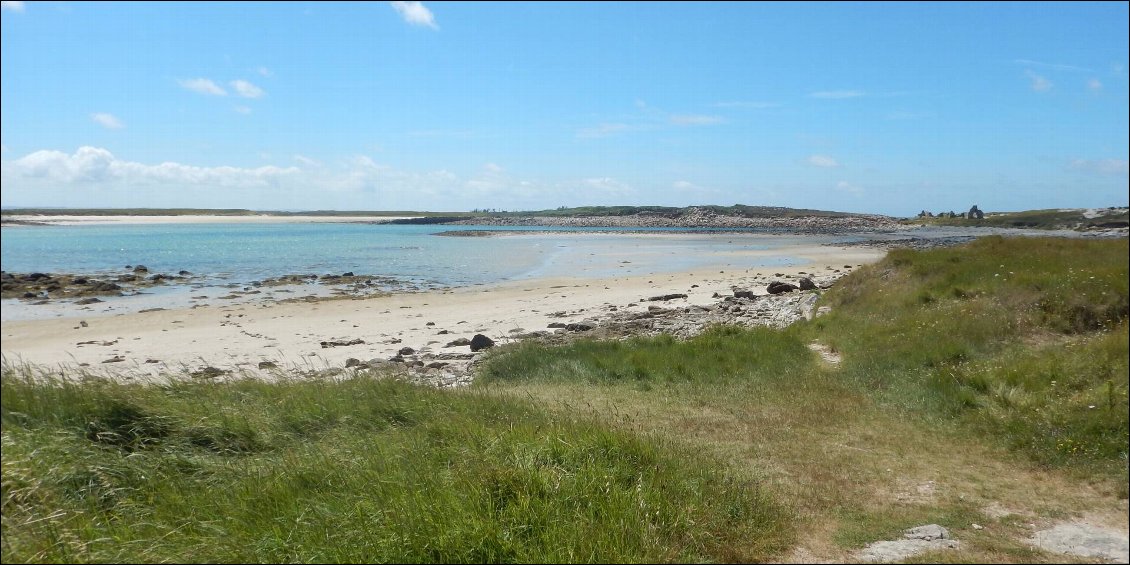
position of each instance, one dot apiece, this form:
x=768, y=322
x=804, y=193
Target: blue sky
x=887, y=108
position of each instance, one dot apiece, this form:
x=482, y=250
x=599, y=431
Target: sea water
x=236, y=254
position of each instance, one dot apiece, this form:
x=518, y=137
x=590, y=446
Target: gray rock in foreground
x=915, y=540
x=1083, y=540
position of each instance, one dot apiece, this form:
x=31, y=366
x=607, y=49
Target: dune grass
x=360, y=470
x=1024, y=339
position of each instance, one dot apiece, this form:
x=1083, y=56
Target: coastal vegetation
x=1054, y=219
x=958, y=381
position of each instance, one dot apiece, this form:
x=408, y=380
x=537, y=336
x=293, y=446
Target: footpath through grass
x=362, y=470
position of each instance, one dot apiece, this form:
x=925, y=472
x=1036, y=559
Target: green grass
x=1025, y=339
x=719, y=357
x=361, y=470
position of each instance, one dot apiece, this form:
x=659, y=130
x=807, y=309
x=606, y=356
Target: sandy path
x=239, y=337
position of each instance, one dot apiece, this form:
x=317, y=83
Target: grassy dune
x=974, y=379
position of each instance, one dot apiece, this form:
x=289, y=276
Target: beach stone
x=267, y=365
x=743, y=293
x=778, y=287
x=353, y=362
x=554, y=325
x=1084, y=540
x=578, y=327
x=459, y=342
x=928, y=532
x=406, y=351
x=36, y=276
x=666, y=297
x=807, y=284
x=481, y=341
x=141, y=269
x=86, y=301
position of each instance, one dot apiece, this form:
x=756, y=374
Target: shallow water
x=223, y=257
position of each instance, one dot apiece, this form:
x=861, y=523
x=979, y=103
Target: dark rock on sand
x=666, y=297
x=481, y=341
x=342, y=343
x=141, y=269
x=406, y=351
x=778, y=287
x=459, y=342
x=86, y=301
x=578, y=327
x=743, y=293
x=807, y=284
x=554, y=325
x=353, y=362
x=267, y=365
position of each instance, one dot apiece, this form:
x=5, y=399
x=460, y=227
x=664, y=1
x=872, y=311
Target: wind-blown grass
x=362, y=470
x=1024, y=338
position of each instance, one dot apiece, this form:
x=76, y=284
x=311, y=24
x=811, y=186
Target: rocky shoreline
x=763, y=302
x=693, y=218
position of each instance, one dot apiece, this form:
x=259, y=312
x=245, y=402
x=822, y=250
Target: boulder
x=267, y=365
x=744, y=293
x=141, y=269
x=778, y=287
x=351, y=362
x=481, y=341
x=406, y=351
x=975, y=213
x=807, y=284
x=665, y=297
x=459, y=342
x=578, y=327
x=554, y=325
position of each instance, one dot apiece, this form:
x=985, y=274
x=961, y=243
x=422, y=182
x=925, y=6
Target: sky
x=886, y=108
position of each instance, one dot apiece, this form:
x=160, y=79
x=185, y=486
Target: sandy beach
x=238, y=338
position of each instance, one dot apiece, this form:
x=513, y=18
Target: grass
x=1025, y=339
x=361, y=470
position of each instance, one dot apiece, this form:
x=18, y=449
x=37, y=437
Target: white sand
x=238, y=337
x=64, y=220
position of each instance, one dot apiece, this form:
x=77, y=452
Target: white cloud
x=108, y=121
x=415, y=13
x=845, y=186
x=1039, y=83
x=1052, y=66
x=837, y=94
x=1094, y=85
x=264, y=72
x=242, y=109
x=1102, y=166
x=92, y=176
x=203, y=86
x=743, y=104
x=94, y=165
x=246, y=89
x=603, y=130
x=822, y=161
x=607, y=185
x=12, y=6
x=695, y=120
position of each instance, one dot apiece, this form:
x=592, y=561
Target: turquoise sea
x=228, y=255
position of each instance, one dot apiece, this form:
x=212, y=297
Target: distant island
x=707, y=216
